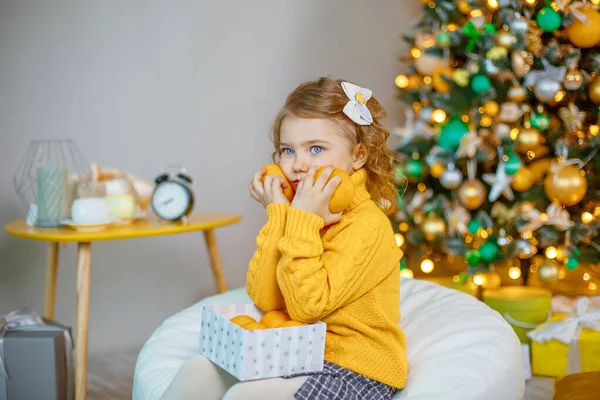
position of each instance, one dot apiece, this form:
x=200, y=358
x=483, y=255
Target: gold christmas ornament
x=461, y=77
x=539, y=168
x=433, y=227
x=472, y=194
x=585, y=34
x=517, y=93
x=521, y=62
x=548, y=272
x=573, y=79
x=491, y=108
x=523, y=180
x=437, y=170
x=464, y=7
x=566, y=185
x=594, y=90
x=439, y=83
x=528, y=139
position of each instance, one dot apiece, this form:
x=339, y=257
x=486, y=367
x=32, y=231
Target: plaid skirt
x=337, y=383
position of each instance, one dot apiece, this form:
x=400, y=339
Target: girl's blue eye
x=287, y=151
x=316, y=149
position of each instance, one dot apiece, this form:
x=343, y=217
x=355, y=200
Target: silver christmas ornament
x=546, y=89
x=451, y=178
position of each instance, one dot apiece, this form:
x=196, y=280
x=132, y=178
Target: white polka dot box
x=259, y=354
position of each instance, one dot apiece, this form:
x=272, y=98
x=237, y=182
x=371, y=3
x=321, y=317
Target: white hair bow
x=356, y=109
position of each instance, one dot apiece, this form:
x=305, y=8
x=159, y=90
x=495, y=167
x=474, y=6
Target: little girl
x=342, y=269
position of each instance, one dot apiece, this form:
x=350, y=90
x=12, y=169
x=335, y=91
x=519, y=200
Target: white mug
x=90, y=210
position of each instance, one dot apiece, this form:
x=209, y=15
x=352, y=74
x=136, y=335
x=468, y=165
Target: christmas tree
x=498, y=160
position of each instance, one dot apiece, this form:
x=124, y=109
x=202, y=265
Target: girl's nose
x=300, y=165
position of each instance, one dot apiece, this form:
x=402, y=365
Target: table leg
x=84, y=257
x=51, y=276
x=215, y=260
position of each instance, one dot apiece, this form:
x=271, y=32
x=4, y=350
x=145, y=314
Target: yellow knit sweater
x=346, y=275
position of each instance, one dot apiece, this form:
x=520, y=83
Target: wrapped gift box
x=569, y=342
x=35, y=357
x=259, y=354
x=523, y=307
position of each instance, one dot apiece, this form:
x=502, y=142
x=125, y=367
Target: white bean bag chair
x=458, y=348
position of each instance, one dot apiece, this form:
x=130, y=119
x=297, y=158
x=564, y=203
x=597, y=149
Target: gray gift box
x=38, y=363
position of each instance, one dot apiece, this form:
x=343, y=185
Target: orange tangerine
x=274, y=318
x=254, y=326
x=289, y=324
x=241, y=320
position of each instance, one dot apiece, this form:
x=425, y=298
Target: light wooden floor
x=110, y=377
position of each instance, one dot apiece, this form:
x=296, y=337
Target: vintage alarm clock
x=172, y=198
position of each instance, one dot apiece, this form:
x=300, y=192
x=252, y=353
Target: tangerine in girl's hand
x=344, y=193
x=274, y=169
x=340, y=200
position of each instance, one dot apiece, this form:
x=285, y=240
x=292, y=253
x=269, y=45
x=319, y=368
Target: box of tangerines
x=251, y=344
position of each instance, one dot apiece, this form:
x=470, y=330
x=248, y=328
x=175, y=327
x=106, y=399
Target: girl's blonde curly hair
x=325, y=98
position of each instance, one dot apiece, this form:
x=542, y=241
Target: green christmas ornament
x=415, y=169
x=489, y=251
x=452, y=132
x=480, y=83
x=402, y=265
x=540, y=121
x=548, y=19
x=473, y=257
x=443, y=40
x=473, y=226
x=513, y=164
x=572, y=263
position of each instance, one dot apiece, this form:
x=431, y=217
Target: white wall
x=139, y=84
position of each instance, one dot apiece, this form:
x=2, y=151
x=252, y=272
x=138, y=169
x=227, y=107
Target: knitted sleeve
x=261, y=280
x=316, y=278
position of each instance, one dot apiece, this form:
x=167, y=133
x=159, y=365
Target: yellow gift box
x=524, y=307
x=567, y=343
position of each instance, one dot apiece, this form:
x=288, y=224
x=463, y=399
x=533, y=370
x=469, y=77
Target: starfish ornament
x=500, y=182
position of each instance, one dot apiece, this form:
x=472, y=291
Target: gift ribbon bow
x=25, y=320
x=586, y=315
x=555, y=215
x=567, y=330
x=474, y=34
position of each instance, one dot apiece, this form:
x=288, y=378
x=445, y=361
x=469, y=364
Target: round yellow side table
x=143, y=228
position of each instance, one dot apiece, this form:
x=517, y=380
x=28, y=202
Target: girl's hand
x=315, y=197
x=269, y=192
